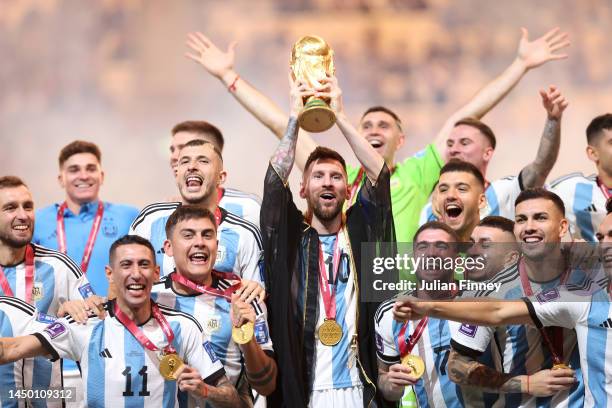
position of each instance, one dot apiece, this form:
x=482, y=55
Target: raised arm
x=530, y=54
x=536, y=172
x=371, y=161
x=17, y=348
x=220, y=64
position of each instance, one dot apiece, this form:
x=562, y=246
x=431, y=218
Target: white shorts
x=337, y=397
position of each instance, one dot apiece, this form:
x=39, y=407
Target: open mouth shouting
x=199, y=257
x=136, y=289
x=376, y=142
x=193, y=182
x=327, y=198
x=453, y=210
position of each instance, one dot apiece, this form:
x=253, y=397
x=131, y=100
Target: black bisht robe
x=293, y=299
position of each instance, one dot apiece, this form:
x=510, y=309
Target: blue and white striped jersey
x=500, y=194
x=213, y=313
x=522, y=347
x=244, y=205
x=585, y=204
x=239, y=250
x=591, y=317
x=18, y=318
x=434, y=389
x=118, y=371
x=336, y=366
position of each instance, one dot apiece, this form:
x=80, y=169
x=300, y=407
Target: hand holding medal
x=243, y=320
x=414, y=362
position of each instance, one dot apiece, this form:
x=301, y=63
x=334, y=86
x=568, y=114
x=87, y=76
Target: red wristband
x=232, y=87
x=205, y=392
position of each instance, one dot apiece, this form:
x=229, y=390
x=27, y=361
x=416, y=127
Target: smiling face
x=382, y=131
x=16, y=216
x=81, y=177
x=459, y=198
x=468, y=144
x=324, y=187
x=435, y=245
x=539, y=224
x=133, y=272
x=493, y=245
x=199, y=173
x=193, y=245
x=180, y=139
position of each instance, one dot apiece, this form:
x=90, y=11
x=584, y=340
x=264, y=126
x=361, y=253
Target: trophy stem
x=316, y=116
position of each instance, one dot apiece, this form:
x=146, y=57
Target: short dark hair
x=76, y=147
x=436, y=225
x=539, y=192
x=188, y=212
x=201, y=142
x=130, y=240
x=495, y=221
x=456, y=165
x=481, y=126
x=201, y=127
x=11, y=181
x=385, y=110
x=322, y=152
x=597, y=125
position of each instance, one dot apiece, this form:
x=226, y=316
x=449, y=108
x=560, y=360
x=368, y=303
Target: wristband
x=232, y=87
x=205, y=391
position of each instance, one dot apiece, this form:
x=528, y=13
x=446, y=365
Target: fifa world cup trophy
x=311, y=59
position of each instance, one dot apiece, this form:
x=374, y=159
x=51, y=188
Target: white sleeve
x=426, y=214
x=470, y=339
x=251, y=258
x=386, y=350
x=557, y=307
x=262, y=331
x=64, y=339
x=199, y=354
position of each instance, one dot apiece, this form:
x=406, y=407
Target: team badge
x=220, y=254
x=468, y=329
x=109, y=229
x=55, y=329
x=37, y=291
x=548, y=295
x=379, y=343
x=212, y=324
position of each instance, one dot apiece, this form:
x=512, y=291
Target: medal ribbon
x=355, y=185
x=329, y=294
x=93, y=233
x=557, y=332
x=220, y=193
x=603, y=189
x=406, y=347
x=226, y=293
x=140, y=336
x=29, y=276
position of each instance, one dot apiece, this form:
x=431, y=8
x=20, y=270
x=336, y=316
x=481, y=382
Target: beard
x=196, y=198
x=326, y=213
x=13, y=242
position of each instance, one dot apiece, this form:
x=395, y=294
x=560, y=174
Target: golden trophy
x=311, y=60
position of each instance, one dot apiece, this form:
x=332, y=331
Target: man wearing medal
x=142, y=353
x=37, y=275
x=415, y=353
x=323, y=334
x=237, y=330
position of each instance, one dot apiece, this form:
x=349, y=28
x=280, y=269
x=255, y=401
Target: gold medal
x=168, y=366
x=330, y=332
x=415, y=363
x=244, y=333
x=560, y=366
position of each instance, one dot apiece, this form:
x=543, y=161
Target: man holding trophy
x=322, y=329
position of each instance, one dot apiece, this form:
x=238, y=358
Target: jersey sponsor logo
x=37, y=291
x=607, y=324
x=212, y=324
x=211, y=352
x=55, y=329
x=45, y=318
x=261, y=331
x=86, y=291
x=468, y=329
x=109, y=228
x=379, y=343
x=547, y=295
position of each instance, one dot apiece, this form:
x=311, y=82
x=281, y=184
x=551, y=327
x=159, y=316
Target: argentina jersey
x=591, y=317
x=213, y=313
x=239, y=250
x=501, y=195
x=585, y=204
x=117, y=370
x=336, y=366
x=18, y=318
x=244, y=205
x=522, y=347
x=434, y=389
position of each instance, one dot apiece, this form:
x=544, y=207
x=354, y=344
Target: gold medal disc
x=244, y=333
x=330, y=333
x=560, y=366
x=168, y=365
x=416, y=364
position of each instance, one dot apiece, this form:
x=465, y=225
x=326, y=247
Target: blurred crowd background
x=114, y=72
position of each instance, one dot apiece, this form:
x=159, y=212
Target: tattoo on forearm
x=284, y=156
x=548, y=151
x=465, y=371
x=223, y=394
x=262, y=377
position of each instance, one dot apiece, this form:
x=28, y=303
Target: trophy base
x=316, y=116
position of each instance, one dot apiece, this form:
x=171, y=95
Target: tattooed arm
x=284, y=156
x=465, y=370
x=535, y=173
